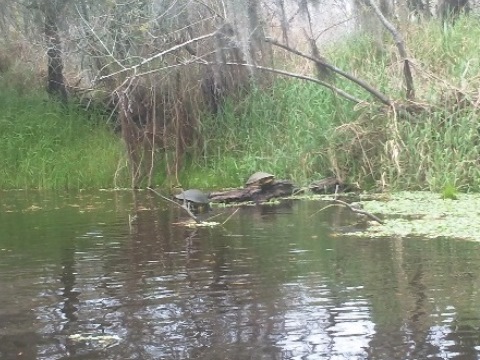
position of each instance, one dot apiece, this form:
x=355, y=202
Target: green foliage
x=440, y=142
x=47, y=146
x=300, y=131
x=450, y=192
x=283, y=130
x=445, y=146
x=294, y=129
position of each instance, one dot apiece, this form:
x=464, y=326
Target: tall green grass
x=440, y=146
x=44, y=145
x=300, y=131
x=294, y=129
x=442, y=151
x=283, y=130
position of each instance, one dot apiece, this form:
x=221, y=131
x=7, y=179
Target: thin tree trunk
x=283, y=20
x=401, y=49
x=130, y=135
x=55, y=80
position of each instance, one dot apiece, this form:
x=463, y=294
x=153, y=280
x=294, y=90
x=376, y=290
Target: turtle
x=260, y=179
x=195, y=198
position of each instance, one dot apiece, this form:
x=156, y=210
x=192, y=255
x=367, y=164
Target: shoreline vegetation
x=290, y=127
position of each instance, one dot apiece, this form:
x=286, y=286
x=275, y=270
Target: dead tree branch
x=297, y=76
x=187, y=210
x=382, y=97
x=359, y=211
x=134, y=68
x=400, y=43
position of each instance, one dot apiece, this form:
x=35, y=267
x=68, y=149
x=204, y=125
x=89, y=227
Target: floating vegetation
x=426, y=214
x=449, y=191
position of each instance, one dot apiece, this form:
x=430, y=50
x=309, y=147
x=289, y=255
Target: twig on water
x=231, y=215
x=337, y=202
x=358, y=211
x=184, y=207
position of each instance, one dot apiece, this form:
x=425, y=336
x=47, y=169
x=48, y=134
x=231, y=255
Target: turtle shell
x=194, y=196
x=260, y=178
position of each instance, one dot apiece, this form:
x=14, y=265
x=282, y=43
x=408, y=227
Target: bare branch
x=358, y=211
x=400, y=46
x=382, y=97
x=298, y=76
x=156, y=56
x=212, y=11
x=109, y=53
x=264, y=68
x=177, y=204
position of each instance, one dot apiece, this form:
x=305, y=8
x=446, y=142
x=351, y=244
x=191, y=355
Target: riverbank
x=44, y=145
x=294, y=129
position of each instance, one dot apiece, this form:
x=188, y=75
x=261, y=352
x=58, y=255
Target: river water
x=274, y=282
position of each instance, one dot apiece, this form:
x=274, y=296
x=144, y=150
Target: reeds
x=282, y=130
x=302, y=132
x=437, y=147
x=44, y=145
x=294, y=129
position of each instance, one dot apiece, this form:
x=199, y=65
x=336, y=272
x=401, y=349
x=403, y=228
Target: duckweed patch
x=425, y=214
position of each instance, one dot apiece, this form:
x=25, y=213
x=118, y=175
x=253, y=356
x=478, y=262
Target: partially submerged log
x=279, y=188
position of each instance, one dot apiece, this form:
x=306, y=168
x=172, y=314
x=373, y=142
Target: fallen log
x=279, y=188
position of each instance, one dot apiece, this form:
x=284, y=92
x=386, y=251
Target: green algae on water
x=427, y=215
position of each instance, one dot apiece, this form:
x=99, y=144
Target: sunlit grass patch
x=44, y=145
x=449, y=191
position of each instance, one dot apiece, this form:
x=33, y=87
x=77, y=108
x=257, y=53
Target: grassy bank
x=298, y=130
x=295, y=129
x=284, y=130
x=44, y=145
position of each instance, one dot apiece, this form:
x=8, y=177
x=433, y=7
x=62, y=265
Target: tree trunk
x=55, y=81
x=283, y=20
x=400, y=43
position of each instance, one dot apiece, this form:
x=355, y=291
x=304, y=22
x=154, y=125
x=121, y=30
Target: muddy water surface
x=77, y=282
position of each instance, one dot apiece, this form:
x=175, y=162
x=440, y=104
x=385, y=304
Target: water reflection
x=272, y=283
x=320, y=325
